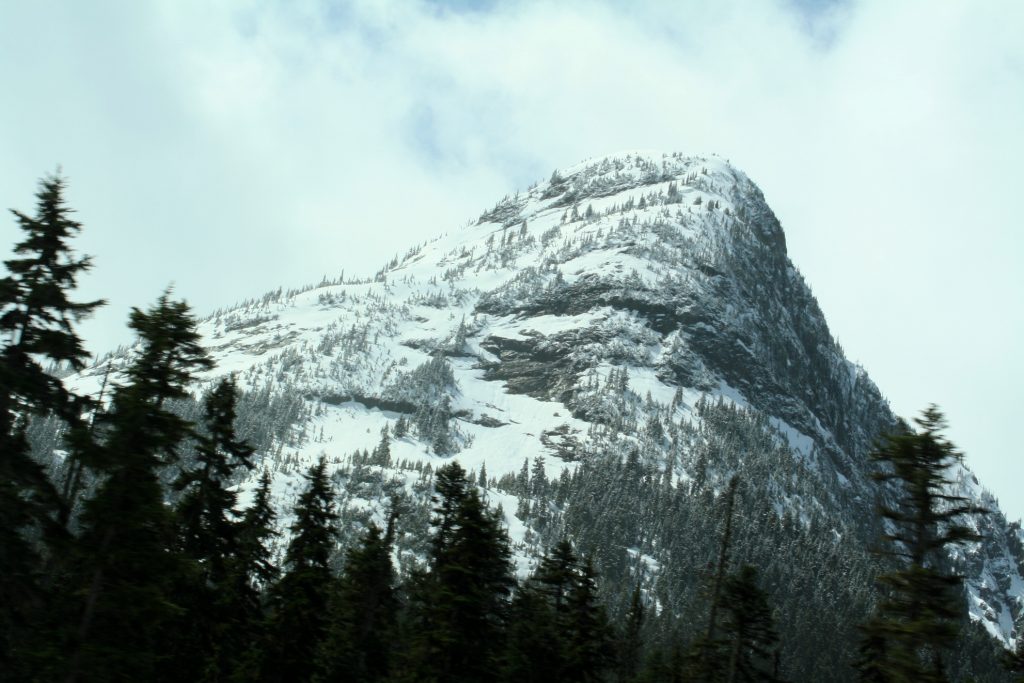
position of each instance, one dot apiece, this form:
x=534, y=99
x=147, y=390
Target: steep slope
x=634, y=330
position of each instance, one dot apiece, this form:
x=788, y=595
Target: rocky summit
x=604, y=352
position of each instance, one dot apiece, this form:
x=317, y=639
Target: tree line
x=135, y=563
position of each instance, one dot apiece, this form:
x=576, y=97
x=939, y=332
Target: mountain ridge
x=625, y=305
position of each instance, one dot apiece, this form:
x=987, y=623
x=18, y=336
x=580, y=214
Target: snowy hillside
x=633, y=311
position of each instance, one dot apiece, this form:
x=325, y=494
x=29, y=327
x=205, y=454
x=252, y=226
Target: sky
x=229, y=148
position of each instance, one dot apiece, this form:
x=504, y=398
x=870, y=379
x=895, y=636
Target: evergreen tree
x=749, y=629
x=36, y=325
x=1014, y=662
x=214, y=629
x=298, y=602
x=916, y=622
x=253, y=564
x=589, y=635
x=250, y=571
x=708, y=660
x=631, y=645
x=206, y=514
x=127, y=569
x=362, y=616
x=460, y=607
x=560, y=631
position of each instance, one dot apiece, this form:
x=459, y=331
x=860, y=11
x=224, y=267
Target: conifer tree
x=36, y=324
x=588, y=632
x=214, y=629
x=916, y=622
x=749, y=629
x=253, y=563
x=127, y=567
x=298, y=602
x=362, y=616
x=630, y=650
x=460, y=607
x=250, y=571
x=707, y=661
x=560, y=631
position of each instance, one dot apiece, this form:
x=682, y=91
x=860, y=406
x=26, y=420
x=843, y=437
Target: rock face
x=610, y=347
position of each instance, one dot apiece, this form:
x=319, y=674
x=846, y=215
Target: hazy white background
x=233, y=147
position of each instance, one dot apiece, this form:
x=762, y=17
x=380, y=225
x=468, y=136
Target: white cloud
x=235, y=149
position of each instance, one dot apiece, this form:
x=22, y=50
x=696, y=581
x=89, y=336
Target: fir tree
x=253, y=564
x=362, y=616
x=206, y=514
x=588, y=632
x=749, y=629
x=708, y=660
x=630, y=650
x=566, y=635
x=215, y=628
x=127, y=570
x=298, y=602
x=36, y=324
x=250, y=571
x=460, y=607
x=916, y=622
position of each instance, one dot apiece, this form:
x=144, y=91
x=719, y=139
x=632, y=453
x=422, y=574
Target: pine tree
x=916, y=622
x=298, y=602
x=362, y=616
x=127, y=569
x=36, y=325
x=460, y=607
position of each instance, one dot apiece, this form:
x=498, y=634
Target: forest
x=133, y=560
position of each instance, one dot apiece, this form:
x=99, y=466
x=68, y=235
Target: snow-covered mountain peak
x=638, y=307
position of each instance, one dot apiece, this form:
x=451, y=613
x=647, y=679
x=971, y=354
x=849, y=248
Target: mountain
x=603, y=351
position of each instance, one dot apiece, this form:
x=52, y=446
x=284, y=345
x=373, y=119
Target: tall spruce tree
x=708, y=659
x=749, y=629
x=36, y=325
x=631, y=645
x=298, y=602
x=916, y=622
x=250, y=572
x=362, y=615
x=460, y=607
x=253, y=564
x=559, y=630
x=127, y=568
x=214, y=628
x=588, y=634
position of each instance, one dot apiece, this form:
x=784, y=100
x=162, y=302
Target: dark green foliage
x=1014, y=663
x=126, y=574
x=362, y=617
x=748, y=629
x=298, y=602
x=631, y=646
x=559, y=631
x=206, y=509
x=36, y=326
x=254, y=564
x=216, y=594
x=460, y=607
x=916, y=624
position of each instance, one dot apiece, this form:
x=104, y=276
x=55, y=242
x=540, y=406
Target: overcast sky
x=233, y=147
